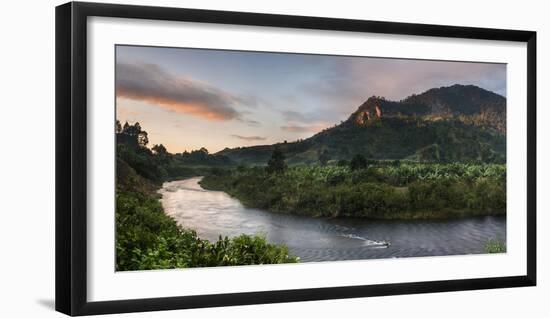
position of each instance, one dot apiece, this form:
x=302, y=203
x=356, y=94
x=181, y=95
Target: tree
x=132, y=135
x=200, y=155
x=324, y=157
x=277, y=162
x=143, y=139
x=159, y=149
x=163, y=156
x=342, y=163
x=358, y=162
x=118, y=127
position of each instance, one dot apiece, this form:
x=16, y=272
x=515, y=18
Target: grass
x=495, y=246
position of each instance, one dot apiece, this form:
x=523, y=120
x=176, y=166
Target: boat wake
x=368, y=242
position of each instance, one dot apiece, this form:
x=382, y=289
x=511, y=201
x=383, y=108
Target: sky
x=191, y=98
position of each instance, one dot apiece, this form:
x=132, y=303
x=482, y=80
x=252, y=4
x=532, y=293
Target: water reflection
x=213, y=213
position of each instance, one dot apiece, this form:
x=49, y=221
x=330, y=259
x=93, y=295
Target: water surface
x=214, y=213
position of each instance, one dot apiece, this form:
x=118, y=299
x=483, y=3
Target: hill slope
x=456, y=123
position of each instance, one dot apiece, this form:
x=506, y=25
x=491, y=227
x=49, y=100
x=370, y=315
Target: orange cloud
x=152, y=84
x=196, y=109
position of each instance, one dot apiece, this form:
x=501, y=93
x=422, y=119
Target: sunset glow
x=192, y=98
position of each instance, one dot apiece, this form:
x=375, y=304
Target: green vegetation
x=277, y=162
x=146, y=238
x=381, y=189
x=495, y=246
x=450, y=124
x=157, y=164
x=440, y=154
x=358, y=162
x=419, y=139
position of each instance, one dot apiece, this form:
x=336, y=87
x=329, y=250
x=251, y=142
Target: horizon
x=191, y=98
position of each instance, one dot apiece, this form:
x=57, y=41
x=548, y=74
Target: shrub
x=384, y=190
x=147, y=238
x=495, y=246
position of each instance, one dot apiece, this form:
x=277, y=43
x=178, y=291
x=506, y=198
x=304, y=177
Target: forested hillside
x=449, y=124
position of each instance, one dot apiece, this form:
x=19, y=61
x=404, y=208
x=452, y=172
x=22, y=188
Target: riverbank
x=318, y=239
x=147, y=238
x=438, y=191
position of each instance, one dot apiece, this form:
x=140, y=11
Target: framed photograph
x=209, y=158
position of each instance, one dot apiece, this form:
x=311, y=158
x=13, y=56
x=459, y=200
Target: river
x=214, y=213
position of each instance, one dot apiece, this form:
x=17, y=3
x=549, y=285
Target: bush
x=383, y=190
x=495, y=246
x=147, y=238
x=358, y=162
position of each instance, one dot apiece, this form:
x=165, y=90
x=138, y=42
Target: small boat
x=382, y=243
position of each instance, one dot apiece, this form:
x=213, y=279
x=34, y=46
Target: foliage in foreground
x=495, y=246
x=147, y=238
x=156, y=164
x=405, y=191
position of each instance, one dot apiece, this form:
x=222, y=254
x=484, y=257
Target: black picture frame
x=71, y=157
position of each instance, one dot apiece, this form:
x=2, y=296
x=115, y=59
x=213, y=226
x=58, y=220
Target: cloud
x=249, y=138
x=250, y=122
x=152, y=84
x=312, y=128
x=123, y=112
x=399, y=78
x=316, y=118
x=291, y=115
x=348, y=81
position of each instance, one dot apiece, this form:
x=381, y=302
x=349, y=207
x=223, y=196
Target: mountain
x=455, y=123
x=467, y=103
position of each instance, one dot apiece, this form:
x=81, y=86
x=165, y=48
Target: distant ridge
x=454, y=123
